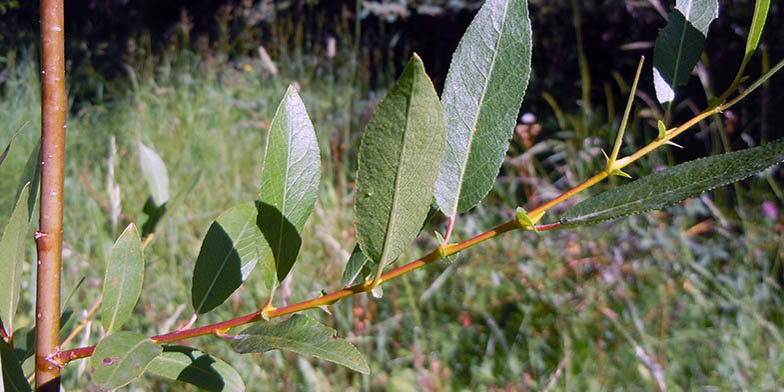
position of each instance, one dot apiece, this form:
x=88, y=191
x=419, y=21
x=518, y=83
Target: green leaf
x=230, y=250
x=122, y=284
x=358, y=267
x=154, y=171
x=8, y=147
x=12, y=246
x=155, y=213
x=289, y=180
x=189, y=365
x=302, y=335
x=761, y=8
x=13, y=378
x=482, y=96
x=121, y=357
x=679, y=45
x=31, y=174
x=399, y=158
x=670, y=186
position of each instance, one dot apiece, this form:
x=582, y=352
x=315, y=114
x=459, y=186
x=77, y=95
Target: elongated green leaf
x=679, y=45
x=8, y=147
x=230, y=250
x=31, y=174
x=122, y=284
x=154, y=171
x=670, y=186
x=302, y=335
x=482, y=96
x=12, y=377
x=197, y=368
x=12, y=246
x=121, y=357
x=761, y=8
x=399, y=158
x=289, y=180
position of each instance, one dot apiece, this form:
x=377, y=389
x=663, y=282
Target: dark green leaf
x=197, y=368
x=155, y=213
x=230, y=250
x=12, y=246
x=122, y=284
x=31, y=174
x=679, y=45
x=154, y=171
x=120, y=358
x=399, y=158
x=304, y=336
x=358, y=267
x=482, y=96
x=289, y=180
x=670, y=186
x=13, y=378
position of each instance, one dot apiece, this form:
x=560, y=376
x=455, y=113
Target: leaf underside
x=123, y=280
x=679, y=45
x=399, y=157
x=289, y=181
x=195, y=367
x=154, y=171
x=482, y=96
x=230, y=251
x=304, y=336
x=675, y=184
x=120, y=358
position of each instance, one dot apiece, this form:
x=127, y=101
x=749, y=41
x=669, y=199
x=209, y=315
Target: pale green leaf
x=122, y=283
x=399, y=158
x=12, y=246
x=675, y=184
x=154, y=171
x=680, y=44
x=121, y=357
x=482, y=96
x=197, y=368
x=304, y=336
x=289, y=181
x=4, y=154
x=12, y=377
x=31, y=174
x=230, y=251
x=761, y=8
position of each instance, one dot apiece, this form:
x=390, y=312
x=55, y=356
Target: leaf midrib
x=116, y=308
x=675, y=81
x=473, y=130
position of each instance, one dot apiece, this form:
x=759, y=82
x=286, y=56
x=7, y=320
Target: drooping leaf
x=230, y=250
x=13, y=378
x=399, y=159
x=289, y=180
x=121, y=357
x=358, y=267
x=189, y=365
x=122, y=283
x=302, y=335
x=154, y=171
x=679, y=45
x=482, y=96
x=675, y=184
x=12, y=246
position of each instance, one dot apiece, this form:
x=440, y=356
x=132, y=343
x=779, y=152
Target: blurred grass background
x=687, y=298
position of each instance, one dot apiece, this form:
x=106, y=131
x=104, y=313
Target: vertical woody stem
x=54, y=104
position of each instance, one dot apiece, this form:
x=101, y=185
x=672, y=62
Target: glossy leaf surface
x=482, y=96
x=675, y=184
x=195, y=367
x=122, y=283
x=230, y=251
x=399, y=158
x=679, y=45
x=12, y=246
x=120, y=358
x=289, y=181
x=304, y=336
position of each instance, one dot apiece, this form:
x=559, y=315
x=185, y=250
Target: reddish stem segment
x=54, y=104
